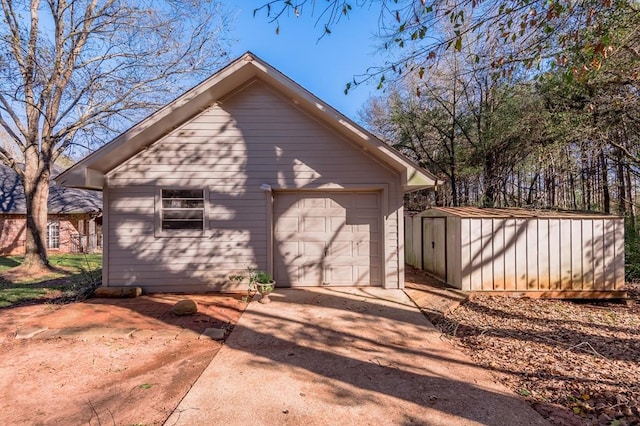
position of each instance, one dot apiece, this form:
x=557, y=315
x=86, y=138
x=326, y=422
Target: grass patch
x=77, y=261
x=75, y=277
x=19, y=295
x=7, y=262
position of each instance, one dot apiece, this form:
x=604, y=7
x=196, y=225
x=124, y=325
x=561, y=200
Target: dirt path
x=95, y=378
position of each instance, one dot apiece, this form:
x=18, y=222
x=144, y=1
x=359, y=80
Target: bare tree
x=534, y=33
x=75, y=71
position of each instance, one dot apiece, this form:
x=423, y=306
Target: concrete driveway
x=344, y=356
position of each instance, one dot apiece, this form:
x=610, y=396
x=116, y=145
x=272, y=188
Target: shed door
x=327, y=238
x=434, y=246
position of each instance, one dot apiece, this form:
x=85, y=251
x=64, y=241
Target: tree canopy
x=523, y=34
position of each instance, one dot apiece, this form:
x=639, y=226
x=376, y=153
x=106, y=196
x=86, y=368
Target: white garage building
x=248, y=169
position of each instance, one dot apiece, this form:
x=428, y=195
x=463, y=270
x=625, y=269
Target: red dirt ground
x=98, y=378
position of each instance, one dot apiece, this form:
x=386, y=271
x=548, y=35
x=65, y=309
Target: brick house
x=74, y=224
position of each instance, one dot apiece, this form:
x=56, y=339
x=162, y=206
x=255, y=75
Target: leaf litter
x=576, y=362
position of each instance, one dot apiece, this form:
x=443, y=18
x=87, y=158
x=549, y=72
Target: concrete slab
x=349, y=357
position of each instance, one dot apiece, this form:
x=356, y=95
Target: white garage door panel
x=327, y=238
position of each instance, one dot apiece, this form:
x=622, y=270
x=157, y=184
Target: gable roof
x=61, y=200
x=89, y=173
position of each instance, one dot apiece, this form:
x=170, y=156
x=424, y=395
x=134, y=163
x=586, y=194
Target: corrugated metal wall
x=540, y=254
x=527, y=254
x=413, y=241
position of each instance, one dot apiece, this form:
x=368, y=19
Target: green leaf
x=458, y=45
x=145, y=386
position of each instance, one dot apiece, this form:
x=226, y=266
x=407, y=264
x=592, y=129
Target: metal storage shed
x=550, y=253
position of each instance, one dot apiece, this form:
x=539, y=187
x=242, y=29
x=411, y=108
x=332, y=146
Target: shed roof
x=90, y=172
x=61, y=200
x=478, y=212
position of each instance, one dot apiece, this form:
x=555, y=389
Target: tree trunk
x=572, y=185
x=532, y=188
x=454, y=186
x=36, y=191
x=621, y=191
x=490, y=190
x=606, y=198
x=631, y=206
x=550, y=187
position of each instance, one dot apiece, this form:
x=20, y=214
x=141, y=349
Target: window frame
x=160, y=210
x=53, y=224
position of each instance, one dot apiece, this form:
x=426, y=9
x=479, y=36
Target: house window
x=53, y=234
x=182, y=209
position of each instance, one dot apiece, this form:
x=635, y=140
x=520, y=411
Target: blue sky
x=321, y=66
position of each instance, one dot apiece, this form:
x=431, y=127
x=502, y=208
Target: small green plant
x=237, y=278
x=258, y=280
x=259, y=277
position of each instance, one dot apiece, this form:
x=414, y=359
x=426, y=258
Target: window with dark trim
x=53, y=234
x=182, y=209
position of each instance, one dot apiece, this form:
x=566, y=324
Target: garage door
x=327, y=238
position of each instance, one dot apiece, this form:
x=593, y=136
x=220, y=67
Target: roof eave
x=81, y=177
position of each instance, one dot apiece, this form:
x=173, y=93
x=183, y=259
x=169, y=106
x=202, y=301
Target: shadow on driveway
x=344, y=356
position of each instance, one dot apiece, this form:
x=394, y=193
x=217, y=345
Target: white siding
x=252, y=138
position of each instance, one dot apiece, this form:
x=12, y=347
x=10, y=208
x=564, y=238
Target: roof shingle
x=62, y=200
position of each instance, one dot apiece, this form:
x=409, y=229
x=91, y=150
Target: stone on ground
x=185, y=307
x=214, y=333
